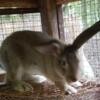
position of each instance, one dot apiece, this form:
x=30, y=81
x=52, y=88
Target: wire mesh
x=78, y=16
x=15, y=22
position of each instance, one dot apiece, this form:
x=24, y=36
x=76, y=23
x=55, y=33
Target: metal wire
x=15, y=22
x=78, y=16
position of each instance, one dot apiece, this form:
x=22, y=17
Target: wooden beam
x=18, y=4
x=60, y=22
x=18, y=11
x=49, y=17
x=59, y=2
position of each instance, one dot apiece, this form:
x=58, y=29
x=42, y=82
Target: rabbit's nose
x=73, y=79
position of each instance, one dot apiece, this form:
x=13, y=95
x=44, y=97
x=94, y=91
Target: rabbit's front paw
x=22, y=86
x=76, y=84
x=70, y=90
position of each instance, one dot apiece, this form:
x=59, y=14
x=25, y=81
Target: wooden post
x=60, y=22
x=49, y=17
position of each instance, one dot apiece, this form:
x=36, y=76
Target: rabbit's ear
x=86, y=35
x=49, y=49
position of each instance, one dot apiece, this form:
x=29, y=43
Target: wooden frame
x=60, y=22
x=49, y=17
x=59, y=2
x=19, y=3
x=18, y=11
x=51, y=14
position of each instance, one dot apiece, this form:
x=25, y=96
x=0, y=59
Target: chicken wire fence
x=15, y=22
x=77, y=17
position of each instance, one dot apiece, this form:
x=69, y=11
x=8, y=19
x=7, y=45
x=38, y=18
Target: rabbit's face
x=69, y=64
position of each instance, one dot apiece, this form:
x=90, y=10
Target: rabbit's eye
x=62, y=62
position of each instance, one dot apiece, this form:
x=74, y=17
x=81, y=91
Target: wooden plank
x=48, y=92
x=18, y=4
x=18, y=11
x=49, y=17
x=60, y=22
x=59, y=2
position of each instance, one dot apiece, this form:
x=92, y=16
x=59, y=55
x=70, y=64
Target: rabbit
x=26, y=53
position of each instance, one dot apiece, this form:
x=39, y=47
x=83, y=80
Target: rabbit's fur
x=25, y=53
